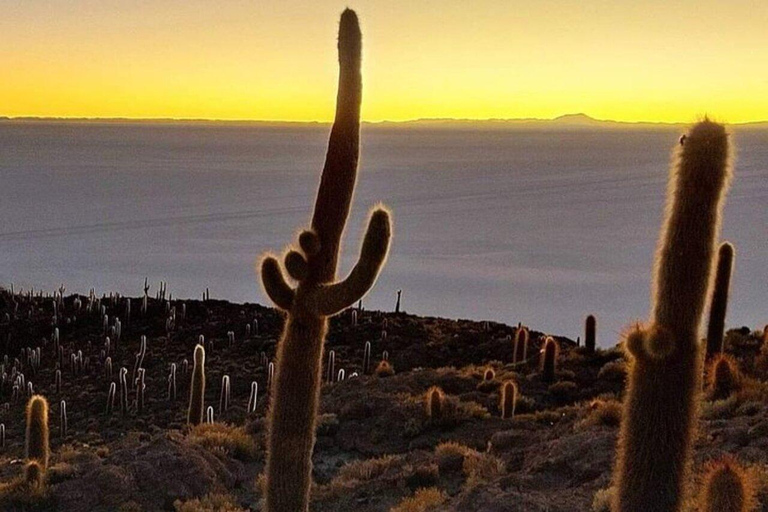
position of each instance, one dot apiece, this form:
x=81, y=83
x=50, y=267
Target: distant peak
x=576, y=118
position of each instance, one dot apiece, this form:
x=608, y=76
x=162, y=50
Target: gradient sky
x=654, y=60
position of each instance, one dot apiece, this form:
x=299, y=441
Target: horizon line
x=584, y=118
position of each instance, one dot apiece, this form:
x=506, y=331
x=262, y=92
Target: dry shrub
x=450, y=455
x=209, y=503
x=365, y=470
x=423, y=500
x=481, y=467
x=613, y=371
x=233, y=441
x=563, y=391
x=18, y=495
x=602, y=413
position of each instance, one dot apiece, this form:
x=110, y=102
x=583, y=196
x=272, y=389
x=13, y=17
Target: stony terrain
x=377, y=449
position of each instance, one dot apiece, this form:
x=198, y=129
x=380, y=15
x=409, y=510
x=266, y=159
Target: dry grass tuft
x=423, y=500
x=233, y=441
x=209, y=503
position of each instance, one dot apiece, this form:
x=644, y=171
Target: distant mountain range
x=564, y=122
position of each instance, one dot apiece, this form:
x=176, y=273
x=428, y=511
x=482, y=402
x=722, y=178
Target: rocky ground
x=377, y=449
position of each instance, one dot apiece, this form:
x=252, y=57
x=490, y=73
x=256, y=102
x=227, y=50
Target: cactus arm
x=333, y=298
x=275, y=285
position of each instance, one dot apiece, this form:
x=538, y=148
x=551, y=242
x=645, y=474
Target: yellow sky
x=653, y=60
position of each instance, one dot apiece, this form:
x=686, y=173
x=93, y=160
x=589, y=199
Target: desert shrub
x=613, y=370
x=424, y=475
x=18, y=495
x=602, y=413
x=327, y=424
x=563, y=391
x=368, y=469
x=423, y=500
x=481, y=467
x=233, y=441
x=209, y=503
x=450, y=455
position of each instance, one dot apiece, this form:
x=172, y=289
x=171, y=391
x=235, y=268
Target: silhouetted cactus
x=294, y=403
x=508, y=399
x=197, y=388
x=37, y=444
x=590, y=334
x=549, y=360
x=521, y=345
x=719, y=303
x=725, y=377
x=727, y=488
x=397, y=304
x=435, y=403
x=664, y=374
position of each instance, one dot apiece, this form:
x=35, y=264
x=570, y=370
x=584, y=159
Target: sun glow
x=269, y=60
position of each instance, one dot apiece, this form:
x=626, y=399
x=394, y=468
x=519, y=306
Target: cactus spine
x=37, y=431
x=549, y=360
x=664, y=374
x=508, y=399
x=197, y=388
x=719, y=304
x=295, y=395
x=590, y=334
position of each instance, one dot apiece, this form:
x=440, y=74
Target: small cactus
x=37, y=444
x=719, y=302
x=727, y=488
x=197, y=388
x=521, y=345
x=489, y=375
x=253, y=398
x=508, y=399
x=435, y=403
x=367, y=358
x=590, y=334
x=725, y=377
x=549, y=360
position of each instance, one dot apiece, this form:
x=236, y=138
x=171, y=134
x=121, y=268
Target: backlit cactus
x=550, y=352
x=508, y=399
x=435, y=403
x=520, y=353
x=664, y=373
x=719, y=303
x=295, y=395
x=727, y=488
x=37, y=443
x=197, y=388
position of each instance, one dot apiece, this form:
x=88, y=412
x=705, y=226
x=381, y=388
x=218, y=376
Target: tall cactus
x=197, y=388
x=37, y=445
x=719, y=303
x=294, y=404
x=664, y=377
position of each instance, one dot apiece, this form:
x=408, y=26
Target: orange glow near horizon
x=645, y=61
